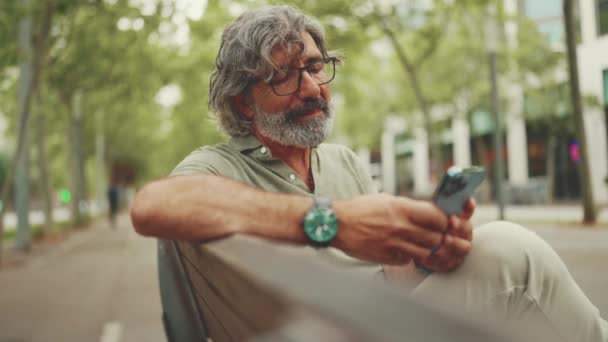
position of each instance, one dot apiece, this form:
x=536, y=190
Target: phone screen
x=456, y=187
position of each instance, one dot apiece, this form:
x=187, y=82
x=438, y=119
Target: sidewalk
x=559, y=214
x=98, y=283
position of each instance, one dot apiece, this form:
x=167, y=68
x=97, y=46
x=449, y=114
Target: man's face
x=301, y=119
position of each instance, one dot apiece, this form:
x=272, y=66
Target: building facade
x=525, y=151
x=593, y=77
x=592, y=53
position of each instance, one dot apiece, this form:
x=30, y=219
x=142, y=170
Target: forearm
x=207, y=207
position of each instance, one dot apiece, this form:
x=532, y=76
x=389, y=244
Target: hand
x=456, y=245
x=387, y=229
x=465, y=229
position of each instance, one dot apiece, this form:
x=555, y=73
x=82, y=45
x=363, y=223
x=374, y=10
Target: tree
x=104, y=69
x=31, y=54
x=88, y=53
x=589, y=210
x=425, y=28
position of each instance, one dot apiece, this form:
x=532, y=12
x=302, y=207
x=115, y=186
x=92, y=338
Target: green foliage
x=8, y=32
x=119, y=72
x=534, y=52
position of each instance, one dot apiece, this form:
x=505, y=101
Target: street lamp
x=492, y=49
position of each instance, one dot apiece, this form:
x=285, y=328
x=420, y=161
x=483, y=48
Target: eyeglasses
x=288, y=81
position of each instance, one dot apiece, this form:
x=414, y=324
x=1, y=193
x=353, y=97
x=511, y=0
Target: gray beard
x=286, y=131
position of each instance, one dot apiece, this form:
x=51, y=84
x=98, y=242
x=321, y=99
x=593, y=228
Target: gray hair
x=245, y=56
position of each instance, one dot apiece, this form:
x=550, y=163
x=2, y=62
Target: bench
x=248, y=289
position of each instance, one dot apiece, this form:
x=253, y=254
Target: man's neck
x=298, y=158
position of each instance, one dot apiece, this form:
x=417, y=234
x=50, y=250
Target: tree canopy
x=143, y=67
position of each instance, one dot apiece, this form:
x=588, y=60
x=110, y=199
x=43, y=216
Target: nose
x=308, y=86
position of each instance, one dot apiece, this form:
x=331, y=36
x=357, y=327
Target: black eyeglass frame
x=300, y=70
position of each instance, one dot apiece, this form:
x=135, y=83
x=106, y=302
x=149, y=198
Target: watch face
x=321, y=225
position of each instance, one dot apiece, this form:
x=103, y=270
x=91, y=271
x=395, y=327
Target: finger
x=444, y=266
x=466, y=230
x=413, y=250
x=469, y=209
x=460, y=228
x=424, y=214
x=440, y=256
x=420, y=236
x=454, y=223
x=453, y=263
x=443, y=261
x=458, y=246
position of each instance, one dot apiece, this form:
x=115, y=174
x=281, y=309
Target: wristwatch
x=320, y=222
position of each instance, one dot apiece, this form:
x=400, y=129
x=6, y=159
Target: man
x=270, y=92
x=113, y=203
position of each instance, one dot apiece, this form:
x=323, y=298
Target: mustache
x=308, y=106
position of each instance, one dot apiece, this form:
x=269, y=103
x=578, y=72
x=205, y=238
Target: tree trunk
x=100, y=164
x=22, y=158
x=43, y=167
x=29, y=78
x=562, y=178
x=590, y=214
x=551, y=167
x=75, y=145
x=481, y=149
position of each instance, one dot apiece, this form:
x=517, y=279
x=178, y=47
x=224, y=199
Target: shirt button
x=263, y=150
x=292, y=177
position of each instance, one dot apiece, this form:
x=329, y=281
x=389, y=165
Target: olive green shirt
x=337, y=172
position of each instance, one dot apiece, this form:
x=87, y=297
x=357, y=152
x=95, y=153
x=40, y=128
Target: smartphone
x=456, y=187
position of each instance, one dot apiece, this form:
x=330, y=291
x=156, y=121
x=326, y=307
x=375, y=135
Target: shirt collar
x=245, y=143
x=252, y=146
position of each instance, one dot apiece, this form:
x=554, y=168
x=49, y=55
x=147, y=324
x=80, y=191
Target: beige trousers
x=514, y=277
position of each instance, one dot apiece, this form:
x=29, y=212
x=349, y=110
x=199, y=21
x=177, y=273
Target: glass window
x=549, y=17
x=602, y=17
x=553, y=30
x=543, y=8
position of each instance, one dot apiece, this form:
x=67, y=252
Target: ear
x=243, y=106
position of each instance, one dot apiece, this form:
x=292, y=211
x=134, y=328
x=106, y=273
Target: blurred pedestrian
x=113, y=197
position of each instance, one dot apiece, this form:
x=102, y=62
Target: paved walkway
x=566, y=214
x=98, y=285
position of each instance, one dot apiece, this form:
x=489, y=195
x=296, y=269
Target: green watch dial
x=321, y=225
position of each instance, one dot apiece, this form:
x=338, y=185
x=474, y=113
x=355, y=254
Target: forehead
x=281, y=56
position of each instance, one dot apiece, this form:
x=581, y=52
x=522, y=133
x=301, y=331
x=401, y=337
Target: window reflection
x=548, y=16
x=539, y=9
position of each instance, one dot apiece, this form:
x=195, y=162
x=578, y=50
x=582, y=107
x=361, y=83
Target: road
x=100, y=284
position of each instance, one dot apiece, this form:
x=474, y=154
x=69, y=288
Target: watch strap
x=321, y=202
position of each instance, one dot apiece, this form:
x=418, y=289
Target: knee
x=512, y=249
x=499, y=236
x=507, y=239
